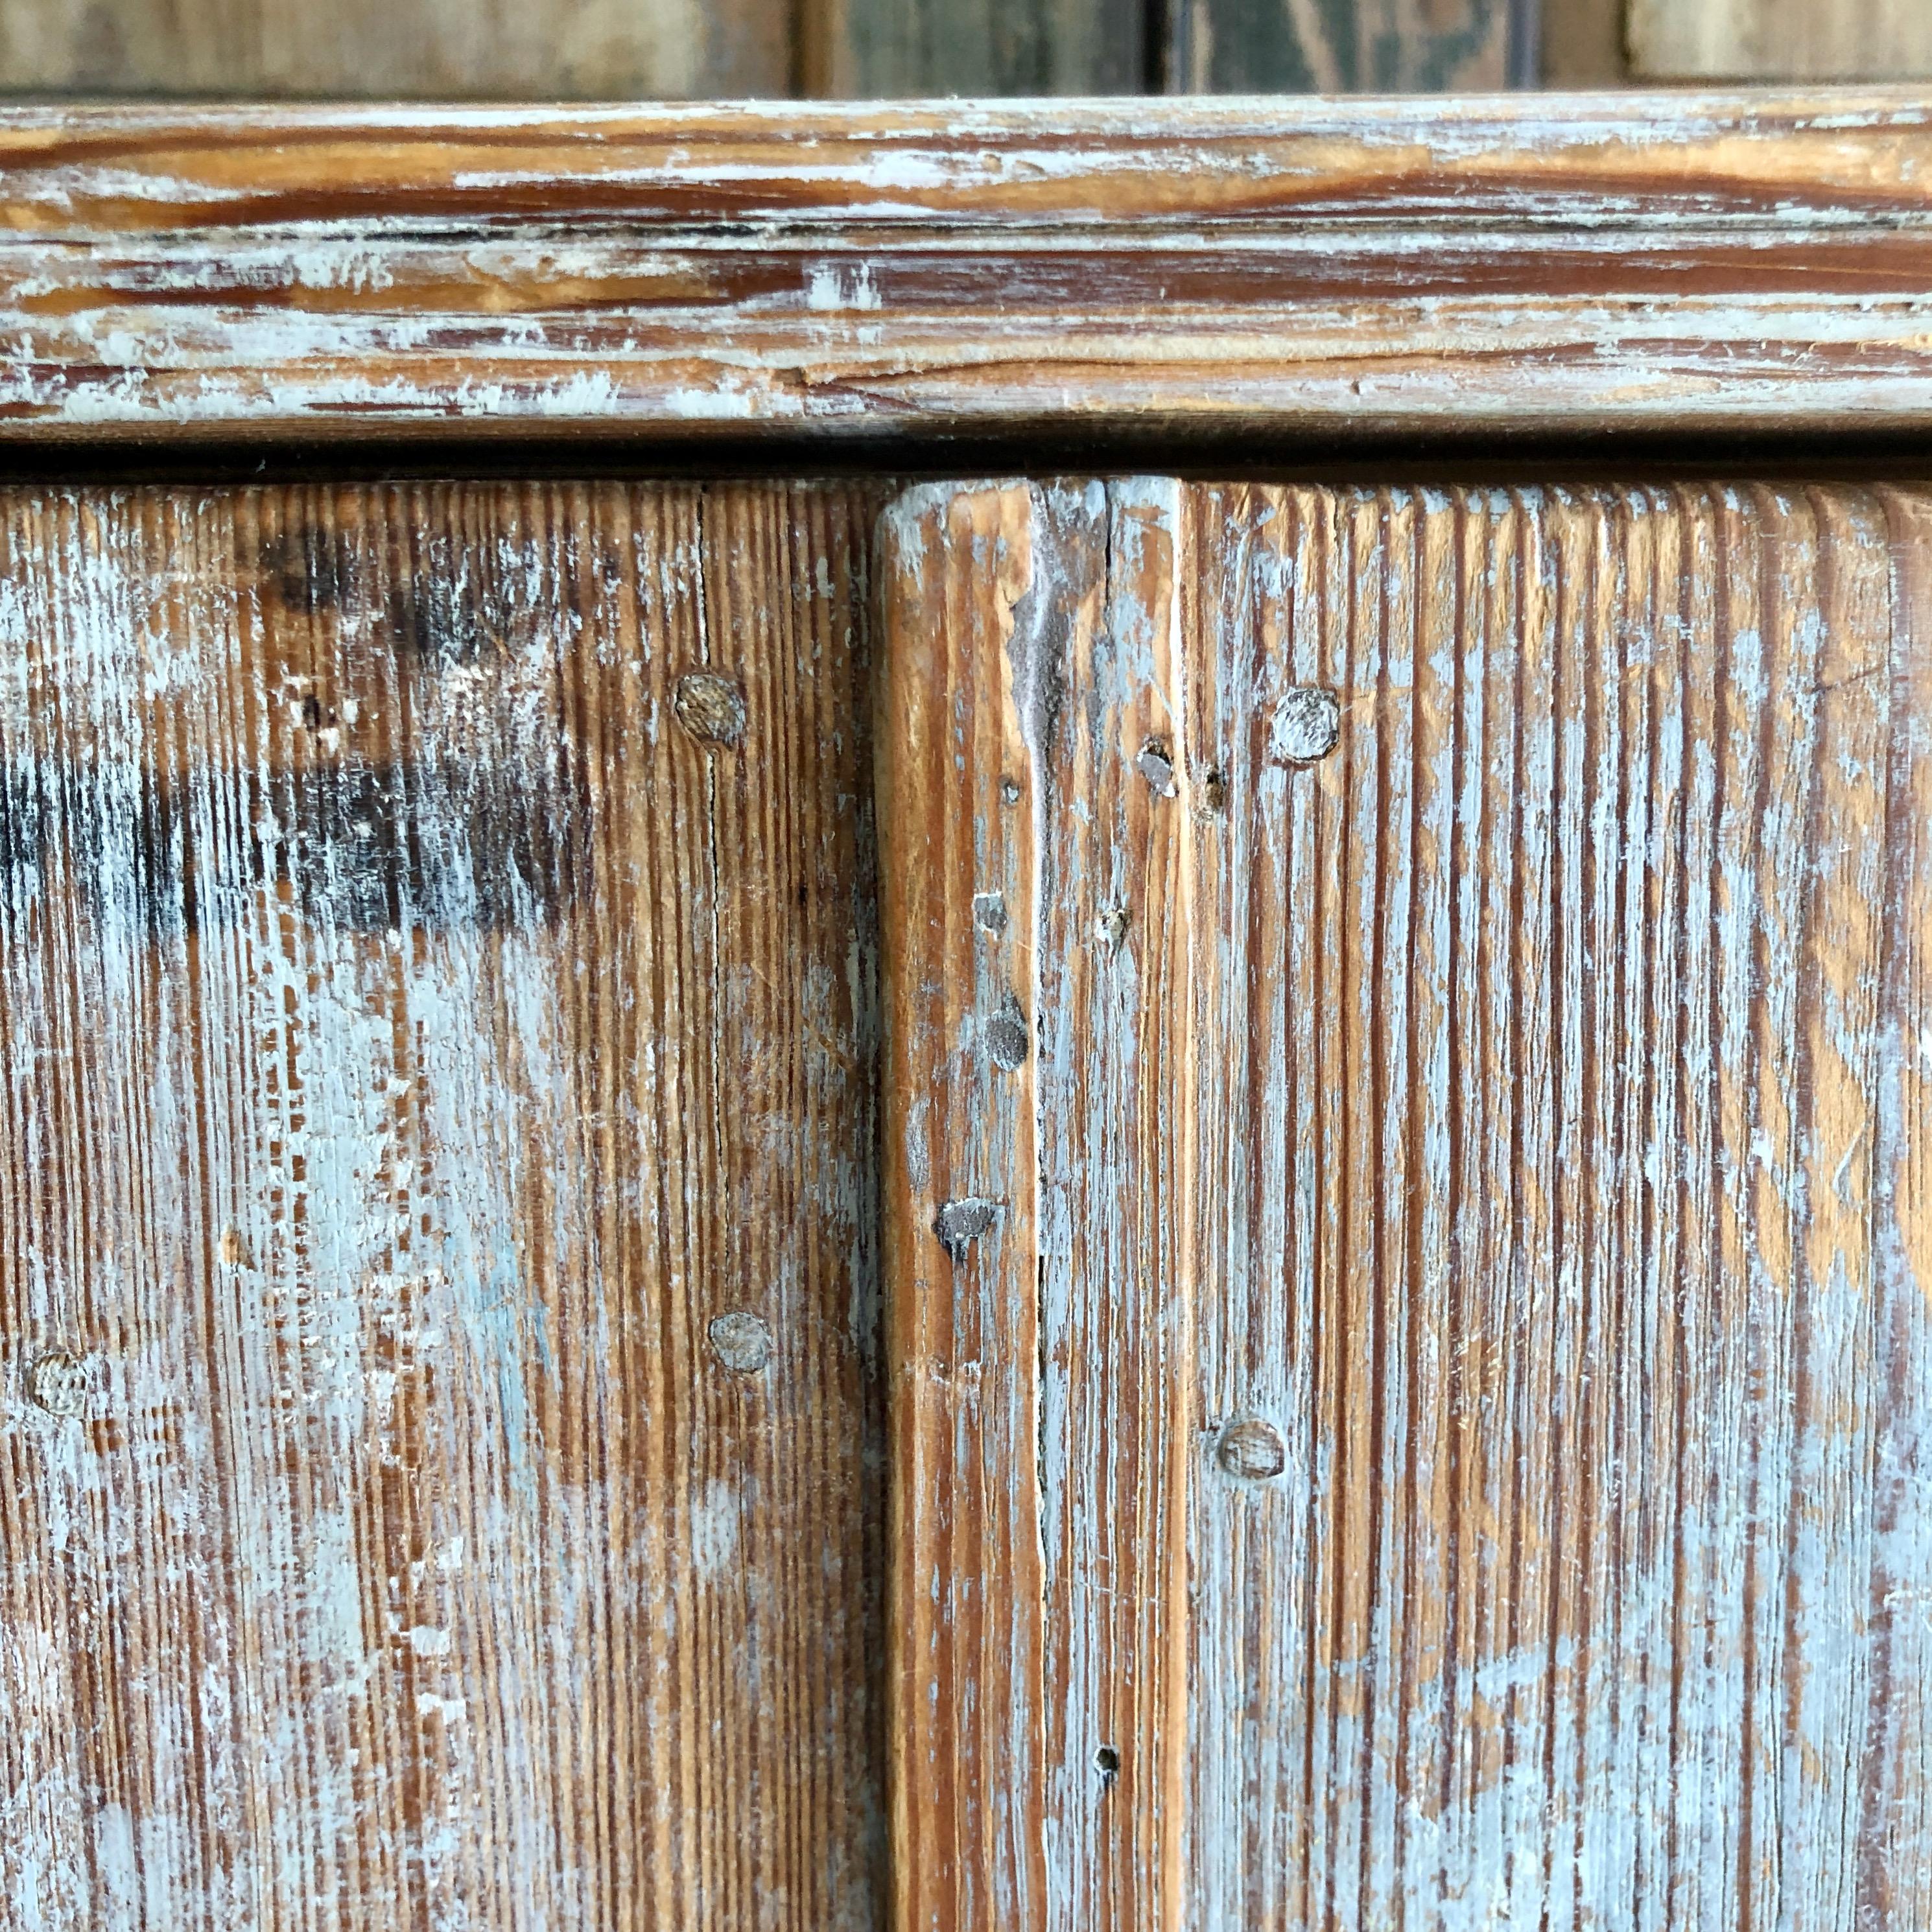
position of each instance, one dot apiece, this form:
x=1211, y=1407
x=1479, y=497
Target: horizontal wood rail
x=1539, y=264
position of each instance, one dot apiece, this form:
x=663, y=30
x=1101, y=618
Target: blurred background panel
x=1781, y=39
x=681, y=50
x=384, y=49
x=1351, y=46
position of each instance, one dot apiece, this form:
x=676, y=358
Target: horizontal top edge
x=947, y=118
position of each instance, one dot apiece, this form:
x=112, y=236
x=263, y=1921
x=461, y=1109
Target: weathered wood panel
x=1351, y=46
x=965, y=1712
x=1345, y=270
x=435, y=50
x=1481, y=1232
x=442, y=1455
x=1779, y=40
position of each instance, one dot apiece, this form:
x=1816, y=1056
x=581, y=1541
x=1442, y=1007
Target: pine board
x=1316, y=273
x=1474, y=1326
x=416, y=1036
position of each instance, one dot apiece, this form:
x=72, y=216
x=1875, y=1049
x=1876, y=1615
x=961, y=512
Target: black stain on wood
x=359, y=844
x=310, y=570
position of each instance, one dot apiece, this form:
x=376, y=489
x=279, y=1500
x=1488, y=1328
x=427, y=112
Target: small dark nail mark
x=1009, y=792
x=1110, y=929
x=711, y=708
x=57, y=1382
x=1006, y=1039
x=1211, y=802
x=960, y=1223
x=741, y=1341
x=1252, y=1449
x=1307, y=723
x=1157, y=766
x=1107, y=1762
x=989, y=912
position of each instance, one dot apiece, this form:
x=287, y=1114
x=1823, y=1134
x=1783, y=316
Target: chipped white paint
x=1667, y=262
x=403, y=1526
x=1505, y=1121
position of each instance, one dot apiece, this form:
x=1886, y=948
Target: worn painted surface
x=1480, y=266
x=1476, y=1331
x=439, y=1450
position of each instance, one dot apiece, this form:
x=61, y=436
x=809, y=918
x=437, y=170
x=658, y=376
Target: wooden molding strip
x=1542, y=263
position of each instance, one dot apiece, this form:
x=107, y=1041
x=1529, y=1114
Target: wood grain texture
x=1476, y=267
x=1482, y=1228
x=1779, y=40
x=1349, y=47
x=416, y=1039
x=435, y=50
x=965, y=1714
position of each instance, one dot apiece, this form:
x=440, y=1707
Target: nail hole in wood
x=1252, y=1450
x=989, y=912
x=960, y=1223
x=57, y=1382
x=1009, y=791
x=1107, y=1762
x=1110, y=928
x=1307, y=724
x=1157, y=765
x=741, y=1341
x=1211, y=800
x=1006, y=1037
x=711, y=709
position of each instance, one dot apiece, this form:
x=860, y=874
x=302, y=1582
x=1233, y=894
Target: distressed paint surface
x=425, y=1061
x=1348, y=269
x=1478, y=1318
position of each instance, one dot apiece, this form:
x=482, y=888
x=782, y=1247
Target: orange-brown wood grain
x=1482, y=1366
x=1347, y=270
x=441, y=1444
x=966, y=1717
